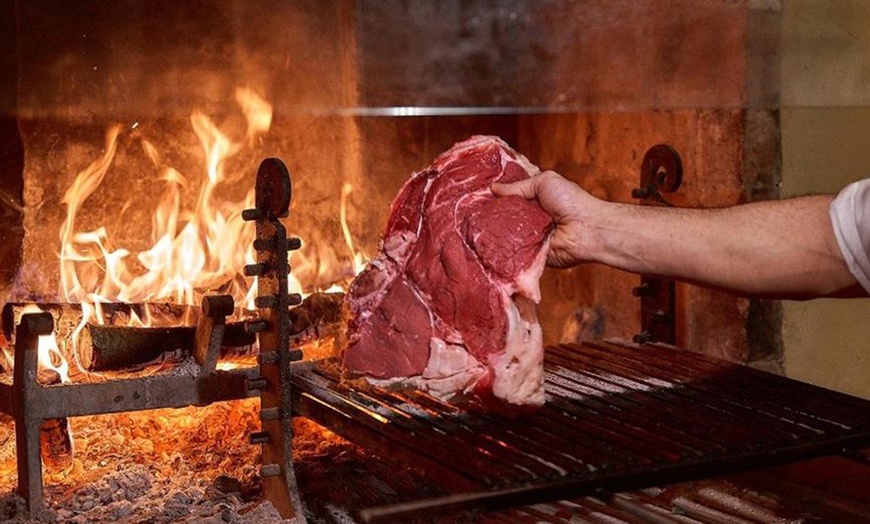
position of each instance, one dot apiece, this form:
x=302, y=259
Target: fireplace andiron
x=31, y=403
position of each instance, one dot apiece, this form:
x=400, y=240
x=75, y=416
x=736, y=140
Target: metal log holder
x=31, y=403
x=660, y=172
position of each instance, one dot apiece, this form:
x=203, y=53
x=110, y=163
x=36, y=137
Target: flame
x=193, y=251
x=358, y=257
x=88, y=311
x=331, y=270
x=256, y=110
x=78, y=248
x=49, y=356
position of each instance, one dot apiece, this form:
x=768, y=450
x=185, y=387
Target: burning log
x=68, y=315
x=114, y=347
x=54, y=433
x=319, y=316
x=56, y=443
x=12, y=312
x=120, y=347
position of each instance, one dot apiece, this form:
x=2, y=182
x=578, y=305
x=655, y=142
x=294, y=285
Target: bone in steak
x=449, y=303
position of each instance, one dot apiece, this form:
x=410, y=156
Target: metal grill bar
x=618, y=416
x=730, y=412
x=839, y=405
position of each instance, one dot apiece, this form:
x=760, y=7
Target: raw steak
x=449, y=303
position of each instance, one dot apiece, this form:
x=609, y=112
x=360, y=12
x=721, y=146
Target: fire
x=359, y=258
x=50, y=359
x=194, y=250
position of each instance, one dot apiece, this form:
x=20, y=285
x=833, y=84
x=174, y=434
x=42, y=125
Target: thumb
x=524, y=188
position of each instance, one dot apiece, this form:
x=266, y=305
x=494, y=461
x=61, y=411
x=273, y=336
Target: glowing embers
x=183, y=446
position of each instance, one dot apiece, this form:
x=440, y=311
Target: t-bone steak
x=448, y=305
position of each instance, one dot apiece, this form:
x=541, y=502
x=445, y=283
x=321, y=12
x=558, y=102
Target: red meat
x=449, y=303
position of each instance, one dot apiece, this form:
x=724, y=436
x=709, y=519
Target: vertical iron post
x=660, y=172
x=273, y=193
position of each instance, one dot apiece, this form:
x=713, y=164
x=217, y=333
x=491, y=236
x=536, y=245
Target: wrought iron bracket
x=660, y=172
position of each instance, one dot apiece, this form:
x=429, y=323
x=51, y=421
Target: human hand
x=567, y=203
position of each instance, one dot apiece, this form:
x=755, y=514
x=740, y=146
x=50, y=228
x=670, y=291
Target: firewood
x=113, y=347
x=56, y=443
x=54, y=434
x=319, y=315
x=68, y=315
x=63, y=314
x=121, y=347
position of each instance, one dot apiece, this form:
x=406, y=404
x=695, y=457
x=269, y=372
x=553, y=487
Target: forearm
x=778, y=248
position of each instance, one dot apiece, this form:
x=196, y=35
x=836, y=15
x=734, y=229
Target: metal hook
x=661, y=172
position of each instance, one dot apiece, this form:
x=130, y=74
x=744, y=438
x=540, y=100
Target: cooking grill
x=618, y=416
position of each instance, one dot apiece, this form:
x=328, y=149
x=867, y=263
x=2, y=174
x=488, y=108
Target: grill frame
x=643, y=416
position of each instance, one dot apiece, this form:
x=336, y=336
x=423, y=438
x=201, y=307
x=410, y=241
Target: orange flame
x=358, y=257
x=193, y=251
x=49, y=356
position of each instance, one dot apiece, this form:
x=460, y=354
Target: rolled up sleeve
x=850, y=216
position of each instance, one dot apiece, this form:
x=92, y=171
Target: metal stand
x=661, y=171
x=31, y=403
x=273, y=194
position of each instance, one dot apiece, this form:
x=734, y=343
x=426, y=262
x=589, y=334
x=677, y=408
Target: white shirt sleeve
x=850, y=216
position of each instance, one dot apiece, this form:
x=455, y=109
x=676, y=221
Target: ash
x=134, y=495
x=194, y=465
x=171, y=465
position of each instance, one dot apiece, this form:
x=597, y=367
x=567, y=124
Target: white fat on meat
x=519, y=371
x=528, y=283
x=451, y=368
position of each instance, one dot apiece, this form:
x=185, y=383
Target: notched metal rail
x=273, y=193
x=618, y=416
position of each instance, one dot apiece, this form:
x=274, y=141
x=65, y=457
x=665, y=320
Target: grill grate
x=618, y=416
